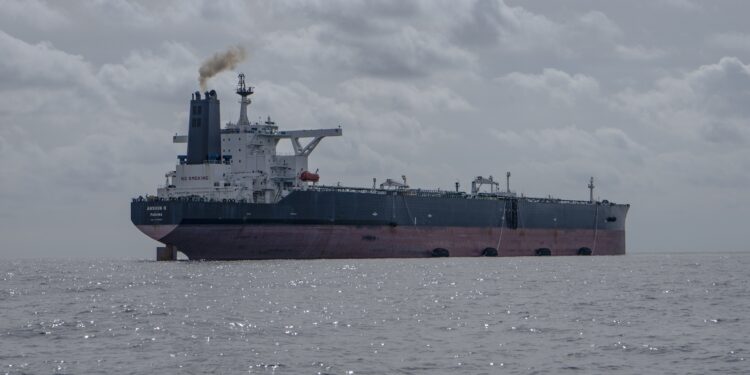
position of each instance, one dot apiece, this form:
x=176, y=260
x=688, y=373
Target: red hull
x=334, y=241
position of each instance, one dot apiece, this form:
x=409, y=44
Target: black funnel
x=204, y=132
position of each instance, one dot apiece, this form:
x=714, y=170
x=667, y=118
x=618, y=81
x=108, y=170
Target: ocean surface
x=633, y=314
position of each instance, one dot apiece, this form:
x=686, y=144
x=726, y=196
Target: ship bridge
x=239, y=161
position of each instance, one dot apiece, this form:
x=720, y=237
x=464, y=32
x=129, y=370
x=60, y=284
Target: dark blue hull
x=308, y=224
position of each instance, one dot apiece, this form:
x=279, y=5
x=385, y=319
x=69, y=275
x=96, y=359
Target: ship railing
x=405, y=192
x=565, y=201
x=189, y=198
x=400, y=192
x=345, y=189
x=449, y=194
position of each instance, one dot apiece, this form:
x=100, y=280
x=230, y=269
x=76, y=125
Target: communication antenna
x=591, y=190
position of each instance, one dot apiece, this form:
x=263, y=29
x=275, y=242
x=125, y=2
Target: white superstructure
x=248, y=168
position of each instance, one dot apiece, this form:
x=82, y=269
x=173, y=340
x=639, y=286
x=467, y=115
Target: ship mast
x=244, y=92
x=591, y=190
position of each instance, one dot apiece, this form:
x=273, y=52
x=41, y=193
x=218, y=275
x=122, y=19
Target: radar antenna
x=244, y=92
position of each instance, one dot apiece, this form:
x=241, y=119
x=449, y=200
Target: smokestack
x=220, y=62
x=204, y=129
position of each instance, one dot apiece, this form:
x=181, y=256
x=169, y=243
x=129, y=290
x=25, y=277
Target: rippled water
x=676, y=314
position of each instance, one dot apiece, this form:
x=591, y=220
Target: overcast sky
x=650, y=97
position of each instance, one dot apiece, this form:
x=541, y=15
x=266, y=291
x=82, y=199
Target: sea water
x=632, y=314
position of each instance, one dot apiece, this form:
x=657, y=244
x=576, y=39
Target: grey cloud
x=682, y=4
x=494, y=24
x=403, y=96
x=42, y=64
x=401, y=51
x=734, y=41
x=598, y=22
x=727, y=132
x=347, y=15
x=408, y=52
x=63, y=128
x=149, y=71
x=639, y=52
x=492, y=21
x=33, y=14
x=719, y=89
x=557, y=84
x=604, y=145
x=653, y=105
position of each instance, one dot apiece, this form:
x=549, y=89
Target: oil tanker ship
x=232, y=197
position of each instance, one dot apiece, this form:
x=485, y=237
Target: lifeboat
x=309, y=176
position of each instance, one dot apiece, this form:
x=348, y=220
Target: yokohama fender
x=584, y=251
x=542, y=251
x=440, y=253
x=489, y=252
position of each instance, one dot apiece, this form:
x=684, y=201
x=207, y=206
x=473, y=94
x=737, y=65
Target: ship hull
x=326, y=241
x=334, y=224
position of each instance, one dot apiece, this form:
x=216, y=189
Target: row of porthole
x=492, y=252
